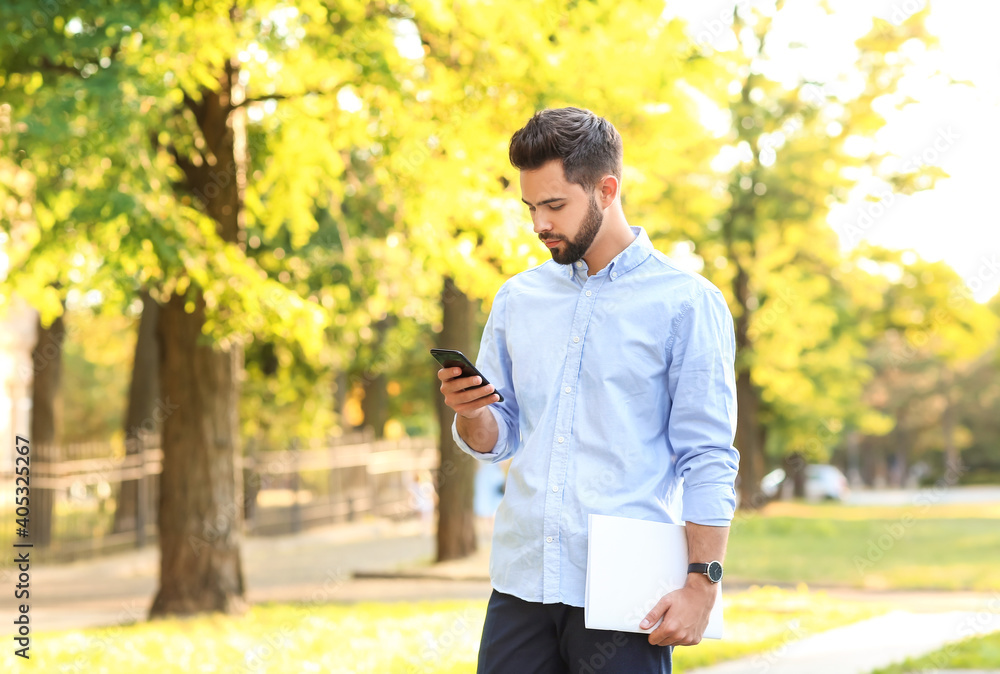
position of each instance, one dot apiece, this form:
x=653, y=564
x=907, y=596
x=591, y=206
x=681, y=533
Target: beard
x=578, y=247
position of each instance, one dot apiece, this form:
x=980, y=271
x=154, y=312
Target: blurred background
x=231, y=231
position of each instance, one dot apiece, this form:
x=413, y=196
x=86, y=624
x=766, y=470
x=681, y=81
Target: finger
x=484, y=395
x=448, y=373
x=664, y=635
x=656, y=612
x=679, y=638
x=475, y=392
x=460, y=384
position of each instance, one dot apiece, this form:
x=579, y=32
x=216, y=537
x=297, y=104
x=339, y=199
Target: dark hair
x=589, y=146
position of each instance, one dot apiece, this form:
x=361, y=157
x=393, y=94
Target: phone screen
x=452, y=358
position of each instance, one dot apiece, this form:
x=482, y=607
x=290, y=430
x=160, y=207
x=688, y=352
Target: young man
x=616, y=369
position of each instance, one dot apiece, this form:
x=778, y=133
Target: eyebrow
x=546, y=201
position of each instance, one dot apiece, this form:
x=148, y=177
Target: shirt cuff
x=499, y=449
x=711, y=505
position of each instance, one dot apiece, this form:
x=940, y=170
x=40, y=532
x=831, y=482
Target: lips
x=552, y=243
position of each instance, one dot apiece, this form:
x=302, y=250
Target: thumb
x=656, y=612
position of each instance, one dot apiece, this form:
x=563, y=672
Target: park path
x=378, y=561
x=866, y=645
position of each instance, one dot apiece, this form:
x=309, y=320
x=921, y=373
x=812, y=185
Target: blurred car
x=823, y=483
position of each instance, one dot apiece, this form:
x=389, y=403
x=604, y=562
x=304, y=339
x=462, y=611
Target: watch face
x=715, y=572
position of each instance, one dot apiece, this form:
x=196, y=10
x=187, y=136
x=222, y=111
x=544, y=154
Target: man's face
x=565, y=216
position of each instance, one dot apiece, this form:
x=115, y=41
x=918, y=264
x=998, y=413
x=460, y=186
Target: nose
x=540, y=223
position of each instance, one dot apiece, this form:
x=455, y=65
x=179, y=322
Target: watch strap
x=712, y=570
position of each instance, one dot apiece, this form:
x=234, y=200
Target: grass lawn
x=410, y=638
x=981, y=653
x=923, y=546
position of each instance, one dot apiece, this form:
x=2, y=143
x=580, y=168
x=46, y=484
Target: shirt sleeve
x=494, y=362
x=702, y=423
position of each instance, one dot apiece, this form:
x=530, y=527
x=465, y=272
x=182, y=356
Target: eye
x=557, y=208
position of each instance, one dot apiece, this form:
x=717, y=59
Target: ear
x=607, y=190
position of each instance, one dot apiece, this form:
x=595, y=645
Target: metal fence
x=309, y=484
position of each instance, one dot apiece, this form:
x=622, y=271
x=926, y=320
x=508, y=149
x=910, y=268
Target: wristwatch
x=713, y=570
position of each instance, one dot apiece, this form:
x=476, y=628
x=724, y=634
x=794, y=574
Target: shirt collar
x=633, y=255
x=624, y=262
x=627, y=260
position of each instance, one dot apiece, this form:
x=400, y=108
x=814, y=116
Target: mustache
x=551, y=237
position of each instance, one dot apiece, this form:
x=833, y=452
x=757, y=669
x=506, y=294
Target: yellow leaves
x=872, y=422
x=33, y=83
x=45, y=300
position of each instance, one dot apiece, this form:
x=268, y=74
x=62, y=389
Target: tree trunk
x=880, y=468
x=456, y=534
x=900, y=461
x=749, y=433
x=375, y=403
x=794, y=466
x=341, y=390
x=200, y=518
x=952, y=454
x=853, y=451
x=141, y=415
x=748, y=441
x=46, y=420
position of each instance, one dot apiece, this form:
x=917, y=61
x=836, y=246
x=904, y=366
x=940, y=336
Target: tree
x=978, y=391
x=135, y=124
x=46, y=417
x=930, y=338
x=799, y=363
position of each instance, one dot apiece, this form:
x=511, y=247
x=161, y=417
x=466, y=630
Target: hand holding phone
x=452, y=358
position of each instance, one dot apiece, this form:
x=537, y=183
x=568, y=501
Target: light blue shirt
x=619, y=399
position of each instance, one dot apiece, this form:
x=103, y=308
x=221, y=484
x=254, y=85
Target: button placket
x=559, y=457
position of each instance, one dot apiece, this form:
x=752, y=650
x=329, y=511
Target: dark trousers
x=522, y=637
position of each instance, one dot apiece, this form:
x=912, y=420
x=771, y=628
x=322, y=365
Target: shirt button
x=576, y=339
x=555, y=488
x=589, y=293
x=548, y=539
x=560, y=439
x=614, y=274
x=568, y=389
x=579, y=265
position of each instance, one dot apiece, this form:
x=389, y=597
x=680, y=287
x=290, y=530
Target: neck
x=614, y=237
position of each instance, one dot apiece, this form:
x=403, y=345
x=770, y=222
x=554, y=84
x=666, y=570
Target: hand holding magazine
x=630, y=565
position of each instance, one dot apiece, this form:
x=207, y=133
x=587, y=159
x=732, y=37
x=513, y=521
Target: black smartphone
x=451, y=358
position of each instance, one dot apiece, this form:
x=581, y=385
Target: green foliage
x=485, y=81
x=930, y=347
x=803, y=347
x=99, y=110
x=376, y=140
